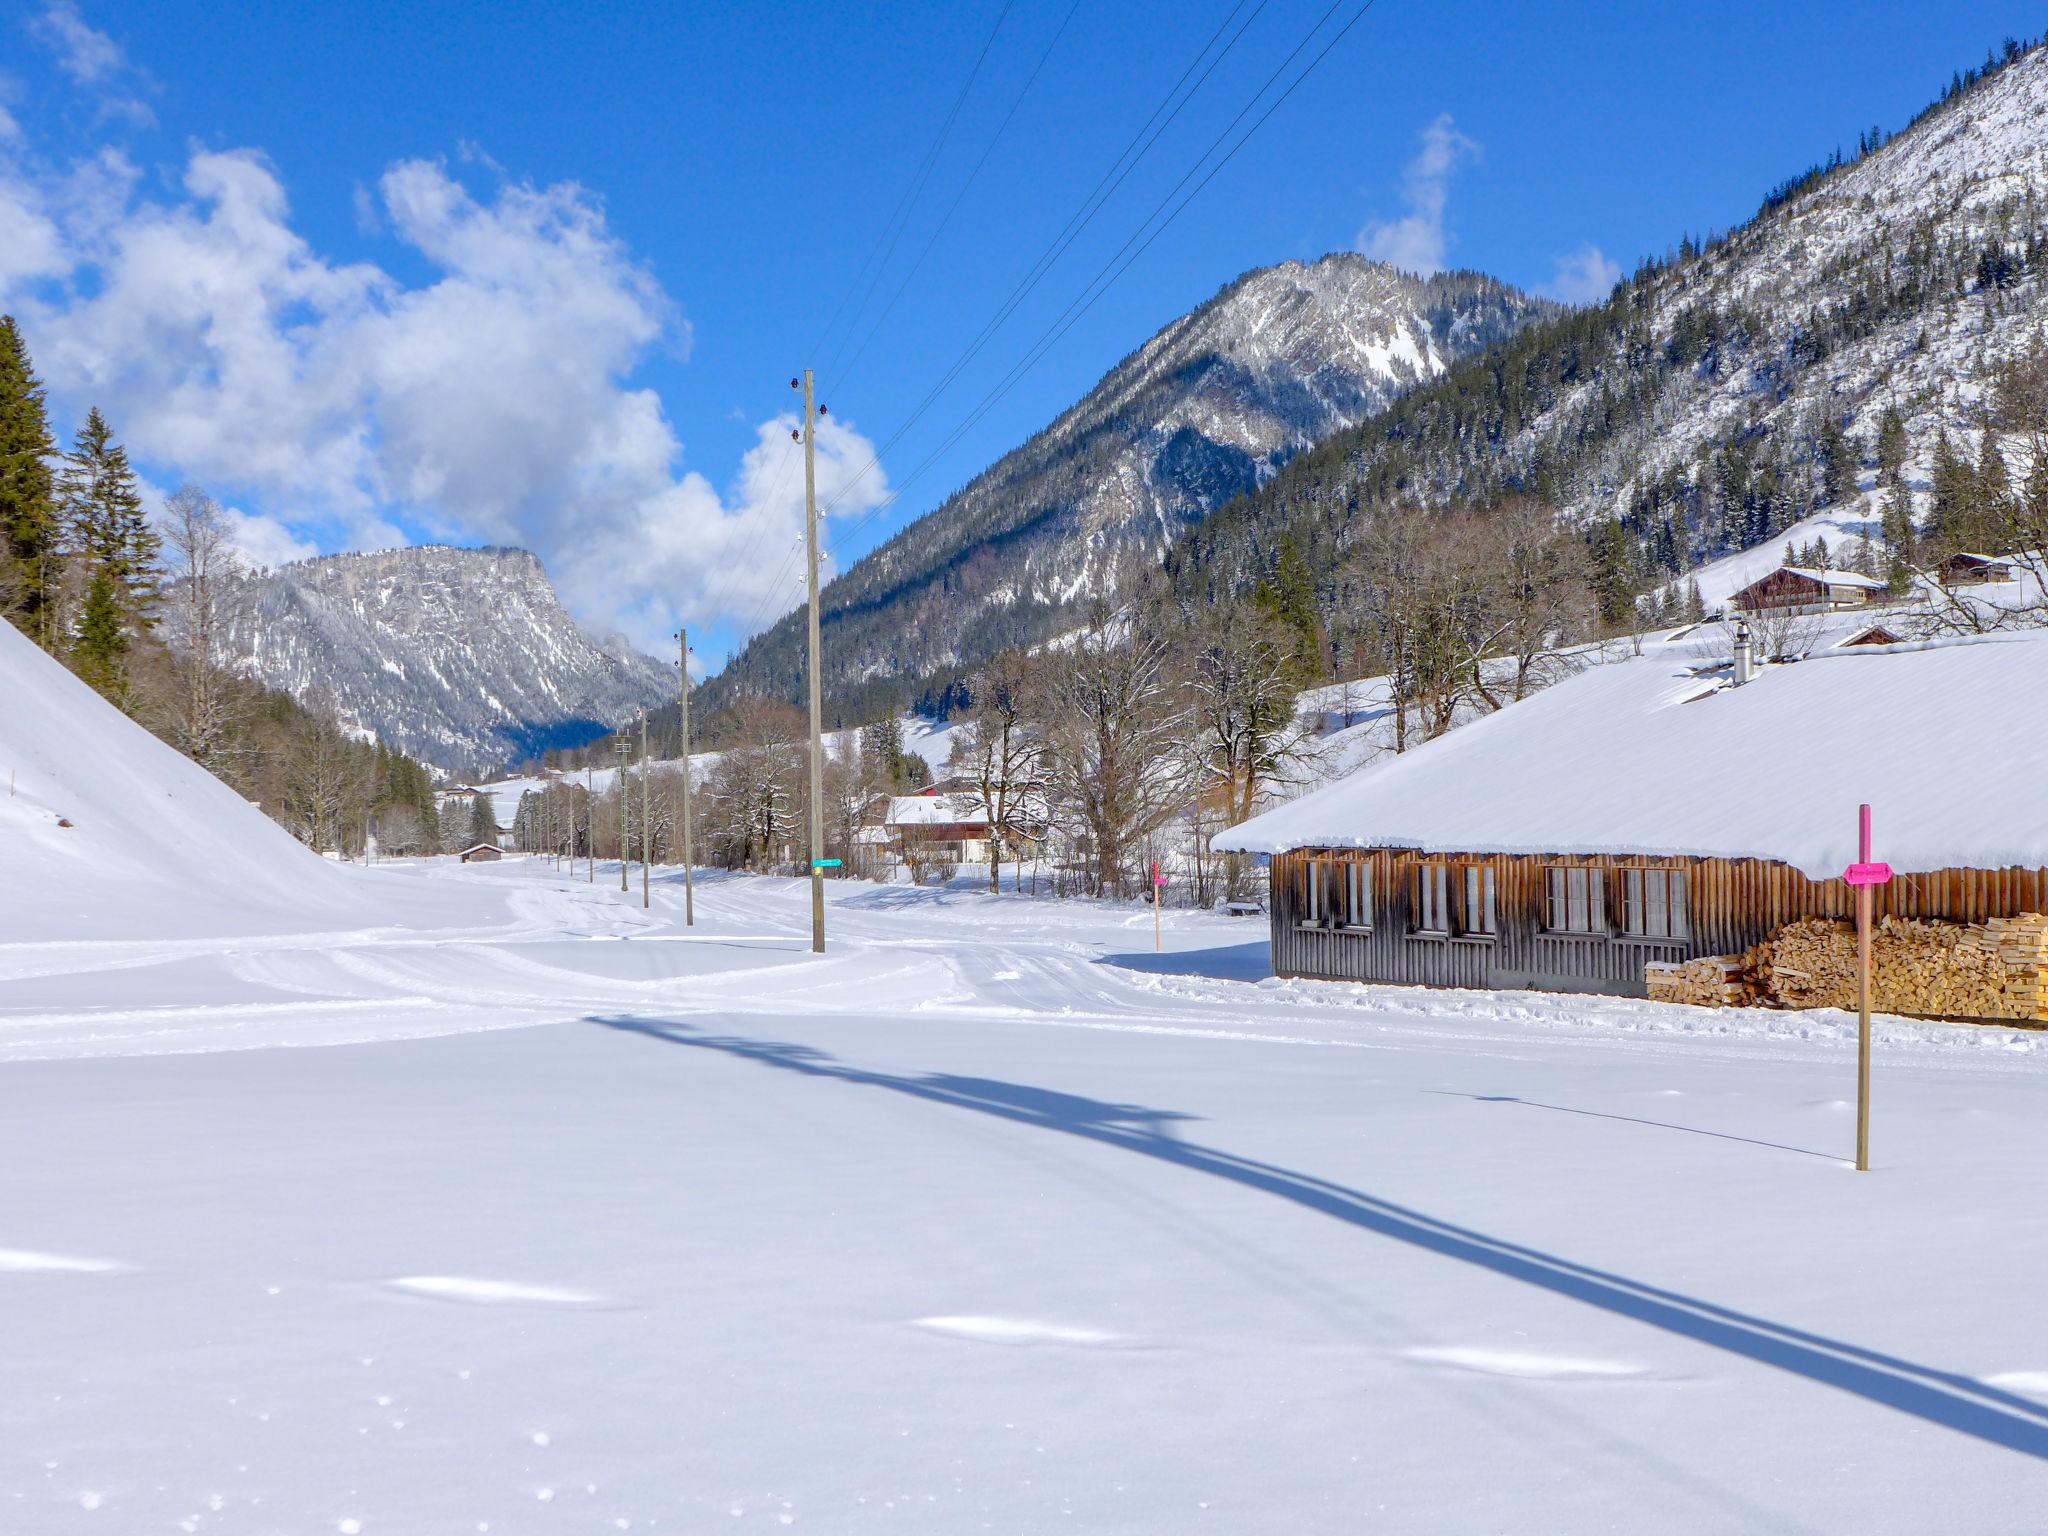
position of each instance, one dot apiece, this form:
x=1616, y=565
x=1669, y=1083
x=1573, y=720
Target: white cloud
x=1417, y=241
x=490, y=403
x=83, y=52
x=1583, y=276
x=92, y=58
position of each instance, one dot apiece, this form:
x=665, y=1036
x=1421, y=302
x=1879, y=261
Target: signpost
x=824, y=863
x=1865, y=874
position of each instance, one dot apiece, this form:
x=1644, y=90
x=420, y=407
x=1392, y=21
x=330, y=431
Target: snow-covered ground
x=988, y=1219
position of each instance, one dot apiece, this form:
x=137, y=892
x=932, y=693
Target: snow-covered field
x=988, y=1219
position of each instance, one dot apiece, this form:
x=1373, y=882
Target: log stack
x=1994, y=970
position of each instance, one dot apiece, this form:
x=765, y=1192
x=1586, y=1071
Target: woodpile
x=1993, y=970
x=1712, y=981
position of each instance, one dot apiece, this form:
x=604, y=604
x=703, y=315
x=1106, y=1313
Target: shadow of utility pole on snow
x=1946, y=1398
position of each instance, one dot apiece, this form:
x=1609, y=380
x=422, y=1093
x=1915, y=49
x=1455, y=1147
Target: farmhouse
x=1652, y=822
x=1969, y=569
x=1807, y=591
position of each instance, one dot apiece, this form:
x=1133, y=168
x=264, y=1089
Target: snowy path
x=988, y=1219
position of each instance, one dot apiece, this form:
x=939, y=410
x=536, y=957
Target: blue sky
x=403, y=271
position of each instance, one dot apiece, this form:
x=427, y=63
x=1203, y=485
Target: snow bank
x=107, y=832
x=1944, y=739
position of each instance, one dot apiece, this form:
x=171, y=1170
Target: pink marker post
x=1864, y=875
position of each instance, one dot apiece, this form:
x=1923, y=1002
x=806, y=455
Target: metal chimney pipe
x=1745, y=653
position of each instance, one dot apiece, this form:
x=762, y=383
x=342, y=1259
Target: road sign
x=1158, y=876
x=824, y=863
x=1868, y=874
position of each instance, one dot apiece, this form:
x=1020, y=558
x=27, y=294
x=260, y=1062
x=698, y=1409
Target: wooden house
x=1807, y=590
x=1968, y=569
x=482, y=853
x=1652, y=812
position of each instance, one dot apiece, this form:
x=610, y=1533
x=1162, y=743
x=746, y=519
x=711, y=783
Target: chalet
x=482, y=853
x=935, y=827
x=1966, y=569
x=1654, y=812
x=1807, y=590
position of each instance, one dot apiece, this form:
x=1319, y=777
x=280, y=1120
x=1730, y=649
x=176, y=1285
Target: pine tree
x=100, y=504
x=99, y=647
x=1891, y=445
x=29, y=527
x=1837, y=462
x=483, y=822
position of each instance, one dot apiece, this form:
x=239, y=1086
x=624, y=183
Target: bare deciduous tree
x=1000, y=751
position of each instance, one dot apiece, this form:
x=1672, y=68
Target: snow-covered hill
x=105, y=832
x=464, y=658
x=1731, y=391
x=1206, y=410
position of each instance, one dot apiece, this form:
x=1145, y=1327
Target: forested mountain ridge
x=1206, y=410
x=1729, y=390
x=464, y=658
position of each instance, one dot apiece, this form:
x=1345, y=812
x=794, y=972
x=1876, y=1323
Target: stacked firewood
x=1995, y=970
x=1711, y=981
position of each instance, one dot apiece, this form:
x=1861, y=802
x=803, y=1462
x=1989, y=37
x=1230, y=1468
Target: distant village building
x=1804, y=589
x=1967, y=569
x=1650, y=822
x=482, y=853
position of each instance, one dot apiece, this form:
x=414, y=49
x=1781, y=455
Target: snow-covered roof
x=932, y=810
x=1943, y=738
x=1832, y=578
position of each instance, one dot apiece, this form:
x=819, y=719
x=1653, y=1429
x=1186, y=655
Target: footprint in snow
x=1014, y=1330
x=23, y=1261
x=1524, y=1365
x=494, y=1293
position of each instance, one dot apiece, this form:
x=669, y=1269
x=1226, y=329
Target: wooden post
x=689, y=894
x=646, y=817
x=817, y=682
x=1863, y=996
x=1158, y=901
x=590, y=820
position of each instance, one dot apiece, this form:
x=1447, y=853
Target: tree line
x=133, y=606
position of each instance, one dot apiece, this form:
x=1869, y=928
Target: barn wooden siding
x=1731, y=905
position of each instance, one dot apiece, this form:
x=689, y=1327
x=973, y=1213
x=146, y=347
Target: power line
x=1119, y=261
x=853, y=362
x=1119, y=170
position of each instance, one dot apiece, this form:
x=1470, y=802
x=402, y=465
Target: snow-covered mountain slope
x=107, y=833
x=1205, y=411
x=464, y=658
x=1728, y=391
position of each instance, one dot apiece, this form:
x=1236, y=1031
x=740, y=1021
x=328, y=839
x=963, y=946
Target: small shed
x=483, y=853
x=1876, y=634
x=1806, y=589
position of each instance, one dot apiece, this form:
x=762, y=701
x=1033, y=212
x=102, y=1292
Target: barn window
x=1433, y=898
x=1575, y=899
x=1477, y=908
x=1653, y=903
x=1337, y=893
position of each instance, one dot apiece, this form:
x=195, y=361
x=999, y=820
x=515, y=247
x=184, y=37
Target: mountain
x=1732, y=392
x=464, y=658
x=1205, y=411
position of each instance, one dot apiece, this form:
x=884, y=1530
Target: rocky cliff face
x=1205, y=411
x=464, y=658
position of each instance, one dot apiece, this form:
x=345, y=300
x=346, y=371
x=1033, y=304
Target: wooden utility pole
x=1865, y=875
x=646, y=820
x=689, y=894
x=621, y=748
x=817, y=689
x=590, y=820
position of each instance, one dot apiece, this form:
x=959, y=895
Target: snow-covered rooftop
x=1834, y=578
x=1943, y=738
x=936, y=810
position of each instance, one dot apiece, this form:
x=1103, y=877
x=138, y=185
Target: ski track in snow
x=1523, y=1365
x=471, y=1291
x=24, y=1261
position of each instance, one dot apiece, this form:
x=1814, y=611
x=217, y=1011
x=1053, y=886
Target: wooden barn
x=1966, y=568
x=1649, y=814
x=1808, y=591
x=482, y=853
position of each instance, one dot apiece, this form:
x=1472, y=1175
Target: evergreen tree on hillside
x=99, y=645
x=29, y=529
x=99, y=503
x=483, y=821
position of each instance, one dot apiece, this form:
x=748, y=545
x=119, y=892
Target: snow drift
x=107, y=832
